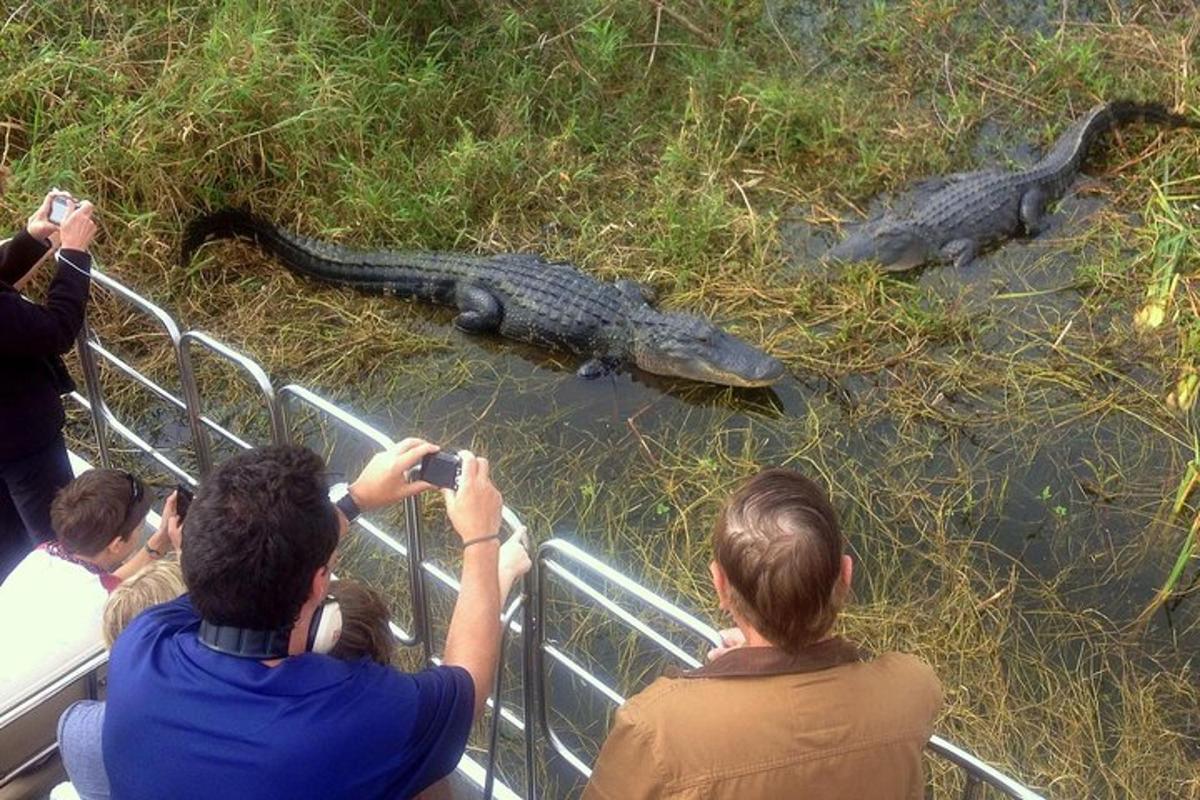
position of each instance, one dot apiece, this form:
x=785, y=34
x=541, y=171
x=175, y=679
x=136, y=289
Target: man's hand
x=77, y=229
x=731, y=639
x=39, y=225
x=474, y=509
x=514, y=562
x=384, y=480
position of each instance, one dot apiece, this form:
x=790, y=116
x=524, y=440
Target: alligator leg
x=597, y=368
x=1033, y=211
x=479, y=310
x=960, y=251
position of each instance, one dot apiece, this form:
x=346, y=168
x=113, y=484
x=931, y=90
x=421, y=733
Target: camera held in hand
x=183, y=499
x=60, y=206
x=441, y=469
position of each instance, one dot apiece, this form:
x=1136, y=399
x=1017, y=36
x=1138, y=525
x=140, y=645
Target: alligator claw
x=595, y=368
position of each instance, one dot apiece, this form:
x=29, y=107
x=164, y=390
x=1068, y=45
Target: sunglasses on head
x=135, y=490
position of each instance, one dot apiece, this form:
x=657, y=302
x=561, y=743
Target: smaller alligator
x=521, y=297
x=958, y=215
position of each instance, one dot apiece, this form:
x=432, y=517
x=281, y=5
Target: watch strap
x=347, y=506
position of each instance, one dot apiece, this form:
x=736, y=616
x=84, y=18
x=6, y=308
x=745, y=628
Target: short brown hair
x=365, y=629
x=157, y=582
x=97, y=507
x=778, y=542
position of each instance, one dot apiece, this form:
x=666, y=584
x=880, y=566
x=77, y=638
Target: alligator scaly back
x=519, y=296
x=973, y=210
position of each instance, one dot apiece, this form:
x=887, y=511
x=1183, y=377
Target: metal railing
x=556, y=560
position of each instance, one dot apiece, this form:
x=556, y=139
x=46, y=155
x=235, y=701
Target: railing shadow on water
x=559, y=563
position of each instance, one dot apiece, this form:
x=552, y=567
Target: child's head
x=365, y=629
x=155, y=583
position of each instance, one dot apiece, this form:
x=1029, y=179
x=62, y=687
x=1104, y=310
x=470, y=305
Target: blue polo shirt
x=185, y=722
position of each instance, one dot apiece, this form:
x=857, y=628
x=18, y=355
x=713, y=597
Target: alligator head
x=894, y=245
x=683, y=346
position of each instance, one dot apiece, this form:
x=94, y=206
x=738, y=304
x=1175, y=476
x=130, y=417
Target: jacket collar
x=746, y=662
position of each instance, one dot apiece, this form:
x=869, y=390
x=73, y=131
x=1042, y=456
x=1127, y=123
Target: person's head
x=157, y=582
x=365, y=629
x=98, y=515
x=260, y=534
x=778, y=562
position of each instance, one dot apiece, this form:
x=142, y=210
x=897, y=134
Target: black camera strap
x=245, y=642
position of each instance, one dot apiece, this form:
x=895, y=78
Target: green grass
x=671, y=151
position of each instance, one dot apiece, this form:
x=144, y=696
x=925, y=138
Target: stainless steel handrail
x=556, y=558
x=247, y=365
x=187, y=381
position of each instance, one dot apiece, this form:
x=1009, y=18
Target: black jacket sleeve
x=18, y=255
x=28, y=329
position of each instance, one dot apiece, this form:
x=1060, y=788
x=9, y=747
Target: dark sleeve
x=18, y=255
x=29, y=329
x=445, y=713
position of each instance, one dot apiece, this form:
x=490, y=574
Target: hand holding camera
x=169, y=535
x=61, y=213
x=474, y=507
x=77, y=229
x=44, y=222
x=384, y=480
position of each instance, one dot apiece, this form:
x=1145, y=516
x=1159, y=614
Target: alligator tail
x=1121, y=111
x=430, y=276
x=318, y=260
x=1060, y=165
x=228, y=223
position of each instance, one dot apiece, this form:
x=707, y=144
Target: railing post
x=416, y=572
x=95, y=393
x=191, y=404
x=489, y=775
x=531, y=675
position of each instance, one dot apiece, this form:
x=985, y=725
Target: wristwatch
x=339, y=493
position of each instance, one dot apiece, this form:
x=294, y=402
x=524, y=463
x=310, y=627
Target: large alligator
x=521, y=297
x=956, y=216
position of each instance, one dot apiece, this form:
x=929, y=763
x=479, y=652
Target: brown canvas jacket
x=758, y=723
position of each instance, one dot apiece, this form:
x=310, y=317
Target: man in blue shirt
x=217, y=695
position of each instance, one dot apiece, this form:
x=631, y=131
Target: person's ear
x=320, y=584
x=720, y=584
x=847, y=572
x=117, y=546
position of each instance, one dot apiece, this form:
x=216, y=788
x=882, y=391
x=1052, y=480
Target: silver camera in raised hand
x=60, y=206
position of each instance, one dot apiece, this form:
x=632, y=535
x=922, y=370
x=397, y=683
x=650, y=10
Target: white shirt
x=50, y=614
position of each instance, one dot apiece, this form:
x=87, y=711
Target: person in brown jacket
x=784, y=709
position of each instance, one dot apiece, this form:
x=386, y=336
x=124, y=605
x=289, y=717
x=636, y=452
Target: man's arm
x=33, y=330
x=19, y=255
x=473, y=640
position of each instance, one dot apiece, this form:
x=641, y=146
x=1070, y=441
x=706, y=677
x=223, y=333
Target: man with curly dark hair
x=219, y=692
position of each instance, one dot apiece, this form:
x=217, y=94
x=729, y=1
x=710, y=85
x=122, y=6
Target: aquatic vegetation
x=666, y=150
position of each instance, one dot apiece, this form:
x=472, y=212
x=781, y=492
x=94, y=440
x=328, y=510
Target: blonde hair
x=157, y=582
